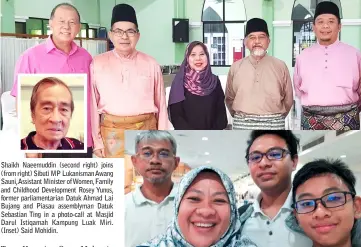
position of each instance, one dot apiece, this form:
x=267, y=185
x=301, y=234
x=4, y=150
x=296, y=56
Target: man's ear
x=357, y=207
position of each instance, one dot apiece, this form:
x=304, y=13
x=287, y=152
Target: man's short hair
x=157, y=135
x=322, y=167
x=64, y=5
x=291, y=140
x=48, y=81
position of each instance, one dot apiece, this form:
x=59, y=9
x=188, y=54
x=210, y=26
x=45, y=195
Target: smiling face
x=270, y=175
x=65, y=24
x=124, y=36
x=326, y=28
x=197, y=59
x=257, y=43
x=52, y=112
x=204, y=212
x=328, y=226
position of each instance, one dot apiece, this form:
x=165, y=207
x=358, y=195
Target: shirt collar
x=254, y=61
x=64, y=143
x=131, y=56
x=329, y=47
x=287, y=205
x=51, y=46
x=139, y=198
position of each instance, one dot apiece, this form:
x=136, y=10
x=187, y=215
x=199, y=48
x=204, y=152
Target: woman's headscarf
x=173, y=236
x=199, y=83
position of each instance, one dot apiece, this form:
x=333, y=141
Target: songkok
x=327, y=8
x=124, y=12
x=256, y=25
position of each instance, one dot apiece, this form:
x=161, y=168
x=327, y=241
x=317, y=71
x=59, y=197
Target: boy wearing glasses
x=272, y=156
x=127, y=88
x=326, y=205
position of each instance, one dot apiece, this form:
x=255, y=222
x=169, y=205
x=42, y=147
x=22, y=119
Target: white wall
x=358, y=183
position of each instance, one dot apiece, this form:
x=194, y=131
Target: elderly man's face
x=52, y=112
x=124, y=36
x=257, y=43
x=65, y=25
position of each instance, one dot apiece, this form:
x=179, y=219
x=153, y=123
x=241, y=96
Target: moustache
x=155, y=169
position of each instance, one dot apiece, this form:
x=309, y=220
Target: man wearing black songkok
x=259, y=92
x=128, y=89
x=327, y=76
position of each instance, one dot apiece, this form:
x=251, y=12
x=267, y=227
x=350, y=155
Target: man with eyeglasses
x=327, y=76
x=326, y=205
x=59, y=54
x=272, y=156
x=127, y=88
x=149, y=208
x=259, y=92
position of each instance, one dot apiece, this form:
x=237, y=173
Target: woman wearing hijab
x=196, y=98
x=205, y=213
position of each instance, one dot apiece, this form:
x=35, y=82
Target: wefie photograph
x=244, y=188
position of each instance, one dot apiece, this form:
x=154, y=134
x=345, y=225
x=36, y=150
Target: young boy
x=326, y=205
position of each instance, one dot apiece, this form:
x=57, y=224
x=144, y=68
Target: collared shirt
x=66, y=143
x=273, y=232
x=126, y=86
x=145, y=219
x=261, y=88
x=328, y=75
x=45, y=58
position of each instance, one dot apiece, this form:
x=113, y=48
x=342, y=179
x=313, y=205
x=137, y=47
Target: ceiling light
x=204, y=138
x=305, y=152
x=208, y=161
x=343, y=156
x=206, y=153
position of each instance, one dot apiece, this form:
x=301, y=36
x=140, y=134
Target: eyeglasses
x=120, y=32
x=332, y=200
x=271, y=154
x=162, y=155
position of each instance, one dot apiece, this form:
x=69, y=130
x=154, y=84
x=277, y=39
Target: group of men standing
x=327, y=80
x=126, y=89
x=125, y=86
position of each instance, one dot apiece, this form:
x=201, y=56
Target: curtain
x=11, y=49
x=95, y=47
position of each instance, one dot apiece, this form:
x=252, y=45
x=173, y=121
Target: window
x=302, y=17
x=83, y=31
x=40, y=26
x=20, y=27
x=93, y=33
x=223, y=30
x=35, y=26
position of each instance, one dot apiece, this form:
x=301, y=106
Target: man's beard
x=159, y=180
x=258, y=52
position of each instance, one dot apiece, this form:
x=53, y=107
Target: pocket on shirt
x=144, y=84
x=345, y=81
x=346, y=75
